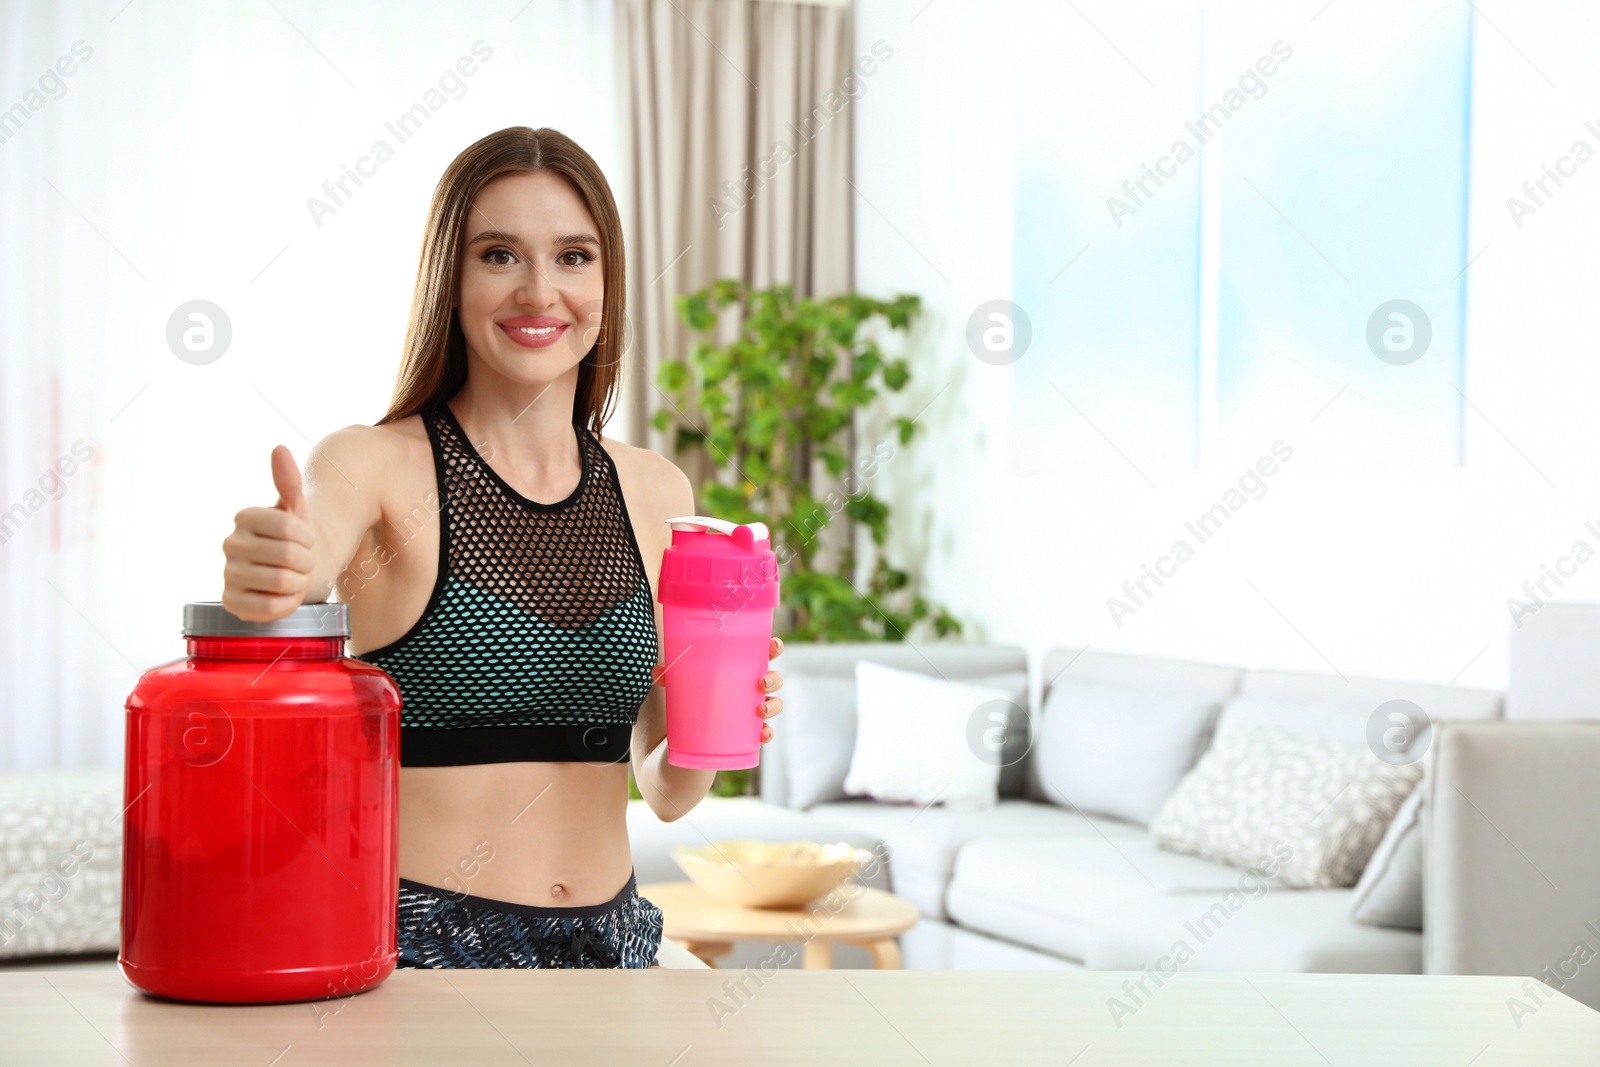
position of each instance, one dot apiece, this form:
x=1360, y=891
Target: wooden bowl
x=765, y=874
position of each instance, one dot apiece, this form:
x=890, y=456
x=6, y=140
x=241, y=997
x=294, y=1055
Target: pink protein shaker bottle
x=718, y=587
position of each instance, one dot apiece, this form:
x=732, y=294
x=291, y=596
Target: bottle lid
x=208, y=618
x=757, y=530
x=716, y=563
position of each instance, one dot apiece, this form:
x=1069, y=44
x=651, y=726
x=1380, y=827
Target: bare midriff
x=547, y=834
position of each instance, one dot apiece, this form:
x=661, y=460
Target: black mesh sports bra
x=538, y=639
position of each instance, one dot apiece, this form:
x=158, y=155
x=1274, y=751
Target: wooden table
x=708, y=927
x=689, y=1018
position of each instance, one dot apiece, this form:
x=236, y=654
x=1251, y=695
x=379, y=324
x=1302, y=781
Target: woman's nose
x=536, y=289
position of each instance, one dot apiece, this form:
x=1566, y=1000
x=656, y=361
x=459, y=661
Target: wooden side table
x=708, y=927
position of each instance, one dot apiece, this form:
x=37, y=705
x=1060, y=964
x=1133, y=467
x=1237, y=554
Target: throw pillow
x=1008, y=728
x=1312, y=808
x=819, y=735
x=912, y=739
x=1118, y=750
x=818, y=725
x=1390, y=890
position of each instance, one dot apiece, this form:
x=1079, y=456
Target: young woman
x=500, y=560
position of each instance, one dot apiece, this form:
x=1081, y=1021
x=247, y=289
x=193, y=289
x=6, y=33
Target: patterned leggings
x=439, y=928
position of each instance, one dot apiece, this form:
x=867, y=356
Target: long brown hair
x=433, y=366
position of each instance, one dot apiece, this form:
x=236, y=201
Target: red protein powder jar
x=261, y=830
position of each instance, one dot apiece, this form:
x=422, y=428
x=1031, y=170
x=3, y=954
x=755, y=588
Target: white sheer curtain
x=157, y=154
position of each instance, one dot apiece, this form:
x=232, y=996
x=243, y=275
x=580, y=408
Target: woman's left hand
x=770, y=683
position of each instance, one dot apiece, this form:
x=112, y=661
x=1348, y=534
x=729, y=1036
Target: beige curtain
x=735, y=143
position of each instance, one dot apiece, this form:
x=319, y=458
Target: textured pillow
x=1118, y=750
x=1390, y=890
x=1317, y=806
x=912, y=739
x=60, y=860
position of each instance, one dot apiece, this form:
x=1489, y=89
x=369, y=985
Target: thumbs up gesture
x=270, y=557
x=286, y=480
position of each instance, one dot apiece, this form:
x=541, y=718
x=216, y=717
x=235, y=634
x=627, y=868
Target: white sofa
x=1032, y=883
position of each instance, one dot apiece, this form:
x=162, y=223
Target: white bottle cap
x=705, y=522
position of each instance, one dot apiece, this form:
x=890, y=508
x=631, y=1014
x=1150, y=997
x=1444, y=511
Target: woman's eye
x=488, y=257
x=581, y=257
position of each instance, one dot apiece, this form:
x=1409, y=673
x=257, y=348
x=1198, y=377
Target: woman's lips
x=544, y=338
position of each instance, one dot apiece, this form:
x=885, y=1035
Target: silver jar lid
x=208, y=618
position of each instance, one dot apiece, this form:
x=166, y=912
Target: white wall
x=1397, y=573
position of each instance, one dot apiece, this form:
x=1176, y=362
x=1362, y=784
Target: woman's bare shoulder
x=657, y=484
x=407, y=434
x=372, y=454
x=374, y=444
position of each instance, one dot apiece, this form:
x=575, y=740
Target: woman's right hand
x=270, y=552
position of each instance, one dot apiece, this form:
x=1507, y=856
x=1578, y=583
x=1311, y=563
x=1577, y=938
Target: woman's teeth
x=538, y=331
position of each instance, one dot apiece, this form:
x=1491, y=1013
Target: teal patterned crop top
x=538, y=639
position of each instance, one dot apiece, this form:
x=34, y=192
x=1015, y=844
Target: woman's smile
x=533, y=331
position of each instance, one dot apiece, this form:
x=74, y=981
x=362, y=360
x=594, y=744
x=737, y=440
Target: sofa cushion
x=1118, y=750
x=819, y=724
x=1390, y=890
x=1005, y=667
x=1346, y=720
x=819, y=736
x=922, y=843
x=1299, y=930
x=1050, y=892
x=1204, y=682
x=1017, y=738
x=1312, y=809
x=914, y=739
x=1211, y=680
x=1440, y=701
x=1325, y=705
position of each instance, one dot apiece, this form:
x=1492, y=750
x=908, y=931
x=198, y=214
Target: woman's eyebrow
x=513, y=239
x=496, y=235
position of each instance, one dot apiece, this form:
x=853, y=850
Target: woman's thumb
x=286, y=479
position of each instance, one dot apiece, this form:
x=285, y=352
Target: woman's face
x=532, y=281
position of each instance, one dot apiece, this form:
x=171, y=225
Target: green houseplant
x=782, y=392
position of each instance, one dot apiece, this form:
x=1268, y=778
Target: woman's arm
x=342, y=479
x=290, y=553
x=671, y=791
